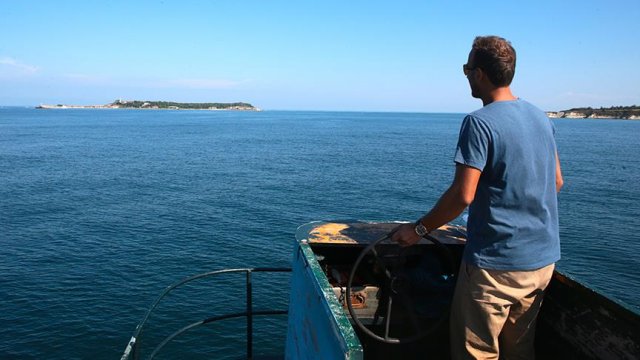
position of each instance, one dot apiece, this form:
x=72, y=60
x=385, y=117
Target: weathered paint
x=318, y=328
x=330, y=233
x=361, y=233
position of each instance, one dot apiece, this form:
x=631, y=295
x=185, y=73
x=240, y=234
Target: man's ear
x=481, y=78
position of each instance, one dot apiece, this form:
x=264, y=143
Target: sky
x=321, y=55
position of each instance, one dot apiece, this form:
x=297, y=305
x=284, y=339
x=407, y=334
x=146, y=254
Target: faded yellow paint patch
x=330, y=233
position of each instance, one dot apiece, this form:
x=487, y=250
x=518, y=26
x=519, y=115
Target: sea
x=101, y=210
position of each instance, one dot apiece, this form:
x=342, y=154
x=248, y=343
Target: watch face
x=421, y=230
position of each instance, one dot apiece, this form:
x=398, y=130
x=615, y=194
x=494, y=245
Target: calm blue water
x=101, y=210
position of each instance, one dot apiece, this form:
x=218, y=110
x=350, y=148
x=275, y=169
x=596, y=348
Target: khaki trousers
x=494, y=312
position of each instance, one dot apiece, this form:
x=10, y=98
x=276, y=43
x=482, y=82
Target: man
x=508, y=173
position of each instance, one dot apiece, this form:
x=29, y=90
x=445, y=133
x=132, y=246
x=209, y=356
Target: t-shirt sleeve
x=473, y=143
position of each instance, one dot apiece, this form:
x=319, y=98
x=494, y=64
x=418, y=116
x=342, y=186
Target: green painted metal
x=318, y=326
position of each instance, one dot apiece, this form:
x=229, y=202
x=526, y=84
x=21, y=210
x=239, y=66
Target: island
x=164, y=105
x=614, y=112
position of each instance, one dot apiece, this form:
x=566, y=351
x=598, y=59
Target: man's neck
x=498, y=94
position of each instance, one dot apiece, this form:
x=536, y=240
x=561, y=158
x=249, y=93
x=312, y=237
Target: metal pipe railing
x=135, y=341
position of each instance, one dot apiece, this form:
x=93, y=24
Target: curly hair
x=496, y=57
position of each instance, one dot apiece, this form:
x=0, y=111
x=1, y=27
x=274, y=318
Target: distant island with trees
x=164, y=105
x=614, y=112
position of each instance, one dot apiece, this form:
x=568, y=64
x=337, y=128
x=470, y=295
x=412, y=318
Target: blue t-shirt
x=513, y=219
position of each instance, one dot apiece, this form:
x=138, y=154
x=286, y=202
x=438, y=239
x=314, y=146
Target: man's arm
x=451, y=204
x=559, y=180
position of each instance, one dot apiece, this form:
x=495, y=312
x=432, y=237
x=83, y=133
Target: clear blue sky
x=323, y=55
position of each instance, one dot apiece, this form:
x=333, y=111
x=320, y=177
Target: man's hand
x=405, y=235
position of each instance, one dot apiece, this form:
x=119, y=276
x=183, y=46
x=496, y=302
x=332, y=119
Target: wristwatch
x=420, y=229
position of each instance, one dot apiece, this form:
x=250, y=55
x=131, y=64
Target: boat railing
x=132, y=349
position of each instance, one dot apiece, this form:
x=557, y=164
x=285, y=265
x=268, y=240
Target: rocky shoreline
x=581, y=115
x=614, y=112
x=157, y=105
